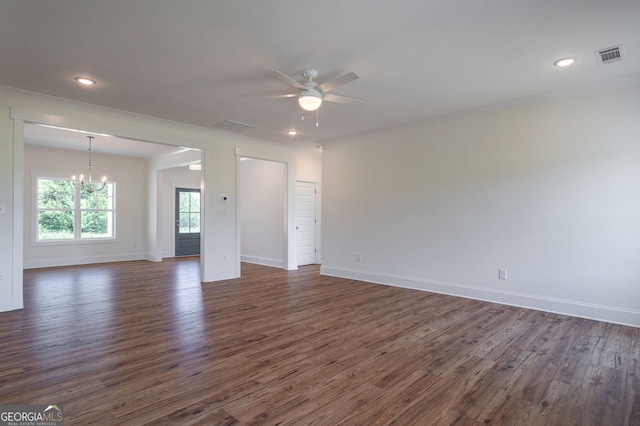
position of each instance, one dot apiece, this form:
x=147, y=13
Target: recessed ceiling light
x=85, y=81
x=292, y=132
x=564, y=62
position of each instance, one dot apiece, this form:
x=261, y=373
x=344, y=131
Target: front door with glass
x=187, y=222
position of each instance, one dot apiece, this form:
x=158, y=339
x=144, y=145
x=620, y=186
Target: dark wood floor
x=137, y=342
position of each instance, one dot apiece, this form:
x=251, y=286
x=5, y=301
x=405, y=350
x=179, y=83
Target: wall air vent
x=609, y=55
x=233, y=126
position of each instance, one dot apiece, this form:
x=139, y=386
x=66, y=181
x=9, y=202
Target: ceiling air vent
x=233, y=126
x=609, y=55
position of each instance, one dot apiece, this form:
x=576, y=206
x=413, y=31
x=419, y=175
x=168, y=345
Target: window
x=189, y=211
x=65, y=213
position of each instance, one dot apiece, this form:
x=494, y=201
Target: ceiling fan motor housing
x=311, y=89
x=310, y=74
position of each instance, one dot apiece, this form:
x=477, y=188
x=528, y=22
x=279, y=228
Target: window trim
x=35, y=175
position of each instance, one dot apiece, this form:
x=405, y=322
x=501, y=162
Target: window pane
x=184, y=223
x=195, y=202
x=97, y=213
x=96, y=224
x=55, y=194
x=194, y=225
x=55, y=225
x=96, y=199
x=184, y=202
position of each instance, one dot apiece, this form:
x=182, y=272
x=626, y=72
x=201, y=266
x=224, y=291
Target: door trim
x=174, y=188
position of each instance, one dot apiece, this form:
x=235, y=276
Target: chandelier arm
x=92, y=187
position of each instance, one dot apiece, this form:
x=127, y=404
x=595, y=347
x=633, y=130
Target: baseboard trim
x=227, y=274
x=265, y=261
x=591, y=311
x=49, y=263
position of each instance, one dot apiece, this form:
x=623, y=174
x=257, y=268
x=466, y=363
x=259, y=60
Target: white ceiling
x=202, y=62
x=106, y=144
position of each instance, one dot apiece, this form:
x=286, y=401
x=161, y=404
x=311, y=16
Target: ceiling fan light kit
x=310, y=100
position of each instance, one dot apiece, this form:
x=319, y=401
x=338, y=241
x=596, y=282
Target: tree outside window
x=96, y=212
x=67, y=213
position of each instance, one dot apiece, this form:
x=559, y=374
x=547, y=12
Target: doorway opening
x=187, y=227
x=263, y=215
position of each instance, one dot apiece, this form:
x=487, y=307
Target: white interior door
x=306, y=223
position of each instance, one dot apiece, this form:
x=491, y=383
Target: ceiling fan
x=310, y=94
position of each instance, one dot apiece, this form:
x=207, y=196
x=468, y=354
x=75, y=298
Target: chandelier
x=89, y=186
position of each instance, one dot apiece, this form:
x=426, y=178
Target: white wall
x=309, y=169
x=548, y=189
x=309, y=164
x=129, y=175
x=263, y=185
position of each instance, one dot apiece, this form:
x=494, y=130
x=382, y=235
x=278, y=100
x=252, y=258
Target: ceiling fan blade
x=288, y=80
x=288, y=95
x=338, y=81
x=330, y=97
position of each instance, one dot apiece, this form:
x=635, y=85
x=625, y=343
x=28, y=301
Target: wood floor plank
x=387, y=405
x=147, y=343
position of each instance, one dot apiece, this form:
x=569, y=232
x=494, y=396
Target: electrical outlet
x=358, y=258
x=502, y=274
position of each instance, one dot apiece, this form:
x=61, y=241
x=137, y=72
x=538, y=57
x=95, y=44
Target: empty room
x=328, y=213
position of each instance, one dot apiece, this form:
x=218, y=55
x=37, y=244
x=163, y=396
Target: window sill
x=46, y=243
